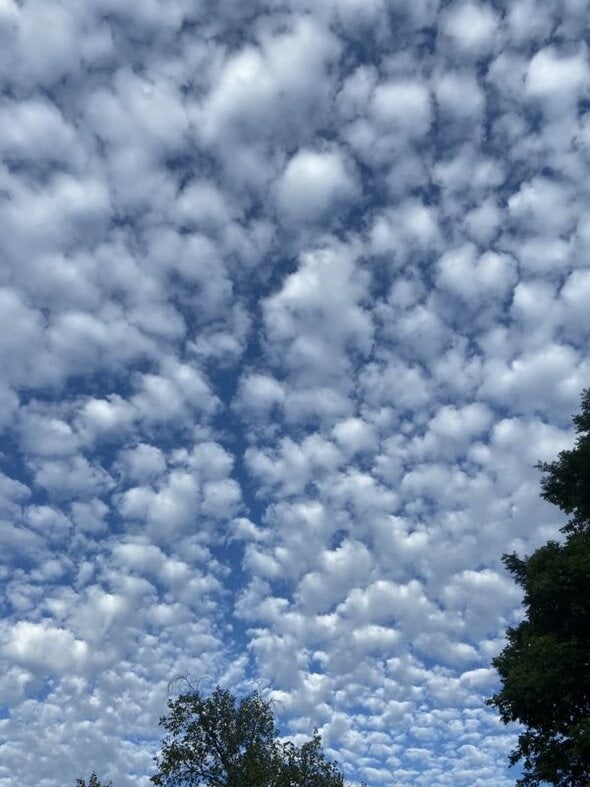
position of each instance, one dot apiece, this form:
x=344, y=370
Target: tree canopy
x=93, y=781
x=566, y=483
x=220, y=741
x=545, y=666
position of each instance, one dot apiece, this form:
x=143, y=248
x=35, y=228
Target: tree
x=566, y=483
x=545, y=666
x=306, y=766
x=218, y=741
x=93, y=781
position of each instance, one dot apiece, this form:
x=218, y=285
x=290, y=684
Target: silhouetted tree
x=567, y=480
x=93, y=781
x=218, y=741
x=545, y=667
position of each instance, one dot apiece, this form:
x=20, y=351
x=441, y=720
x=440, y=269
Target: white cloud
x=471, y=27
x=35, y=130
x=529, y=19
x=558, y=77
x=203, y=205
x=410, y=227
x=354, y=435
x=49, y=51
x=339, y=569
x=574, y=296
x=171, y=394
x=459, y=424
x=315, y=330
x=260, y=393
x=102, y=417
x=42, y=646
x=9, y=403
x=552, y=368
x=402, y=106
x=46, y=435
x=273, y=89
x=195, y=493
x=138, y=112
x=74, y=476
x=543, y=205
x=492, y=275
x=354, y=95
x=293, y=465
x=484, y=221
x=49, y=522
x=144, y=462
x=89, y=516
x=314, y=184
x=465, y=172
x=21, y=328
x=459, y=94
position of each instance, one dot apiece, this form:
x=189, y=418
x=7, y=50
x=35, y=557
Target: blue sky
x=293, y=297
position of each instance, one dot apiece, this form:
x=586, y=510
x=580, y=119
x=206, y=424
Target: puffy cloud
x=558, y=78
x=574, y=295
x=314, y=184
x=90, y=516
x=144, y=462
x=543, y=205
x=9, y=403
x=99, y=418
x=73, y=476
x=411, y=228
x=471, y=27
x=475, y=279
x=273, y=88
x=173, y=393
x=552, y=367
x=46, y=435
x=338, y=570
x=404, y=106
x=196, y=491
x=138, y=112
x=459, y=94
x=461, y=424
x=42, y=646
x=484, y=221
x=354, y=435
x=36, y=131
x=314, y=331
x=293, y=466
x=22, y=327
x=260, y=393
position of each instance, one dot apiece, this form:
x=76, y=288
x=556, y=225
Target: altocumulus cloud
x=293, y=296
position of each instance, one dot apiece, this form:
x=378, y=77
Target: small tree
x=93, y=781
x=218, y=741
x=545, y=667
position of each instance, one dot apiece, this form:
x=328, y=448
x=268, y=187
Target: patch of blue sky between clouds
x=292, y=298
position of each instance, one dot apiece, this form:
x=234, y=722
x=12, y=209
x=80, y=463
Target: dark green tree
x=93, y=781
x=306, y=766
x=566, y=483
x=545, y=667
x=218, y=741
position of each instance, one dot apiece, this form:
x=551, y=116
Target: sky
x=293, y=296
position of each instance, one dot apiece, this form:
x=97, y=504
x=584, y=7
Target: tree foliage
x=93, y=781
x=545, y=666
x=566, y=483
x=218, y=741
